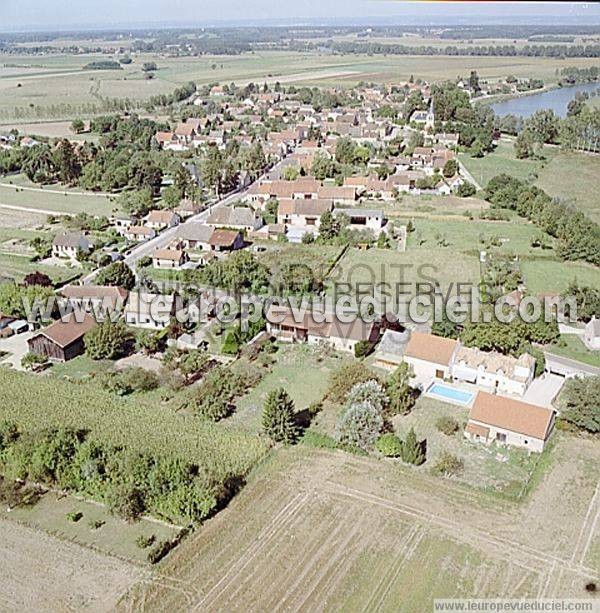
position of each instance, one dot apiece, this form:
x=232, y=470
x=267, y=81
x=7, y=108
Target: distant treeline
x=103, y=65
x=471, y=50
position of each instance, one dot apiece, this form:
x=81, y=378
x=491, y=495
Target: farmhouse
x=371, y=219
x=226, y=240
x=158, y=220
x=68, y=244
x=139, y=233
x=509, y=422
x=62, y=340
x=195, y=235
x=239, y=218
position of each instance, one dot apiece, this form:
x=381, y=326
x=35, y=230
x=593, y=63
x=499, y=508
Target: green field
x=548, y=276
x=141, y=423
x=51, y=200
x=17, y=267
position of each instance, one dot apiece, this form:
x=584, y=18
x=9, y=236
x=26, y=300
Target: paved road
x=164, y=238
x=566, y=366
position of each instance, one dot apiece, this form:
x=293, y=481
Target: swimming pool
x=450, y=394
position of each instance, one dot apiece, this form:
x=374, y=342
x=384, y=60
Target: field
x=46, y=82
x=22, y=194
x=361, y=270
x=43, y=573
x=332, y=531
x=142, y=423
x=546, y=275
x=572, y=177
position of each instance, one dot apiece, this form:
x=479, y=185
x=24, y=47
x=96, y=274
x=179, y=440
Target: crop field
x=43, y=573
x=323, y=530
x=17, y=267
x=52, y=199
x=140, y=423
x=49, y=81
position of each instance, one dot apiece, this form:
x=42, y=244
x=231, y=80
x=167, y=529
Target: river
x=555, y=99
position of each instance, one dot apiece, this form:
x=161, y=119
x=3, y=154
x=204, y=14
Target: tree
x=37, y=278
x=465, y=190
x=107, y=341
x=66, y=161
x=582, y=403
x=278, y=419
x=136, y=202
x=412, y=449
x=399, y=392
x=368, y=391
x=524, y=145
x=342, y=380
x=290, y=173
x=450, y=168
x=117, y=274
x=360, y=426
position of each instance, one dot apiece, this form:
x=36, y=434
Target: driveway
x=17, y=346
x=544, y=390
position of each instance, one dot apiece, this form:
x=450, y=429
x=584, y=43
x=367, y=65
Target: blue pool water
x=451, y=393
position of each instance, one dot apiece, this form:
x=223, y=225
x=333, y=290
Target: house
x=152, y=311
x=505, y=421
x=195, y=235
x=226, y=240
x=492, y=370
x=159, y=219
x=69, y=244
x=238, y=218
x=591, y=335
x=62, y=340
x=319, y=327
x=98, y=300
x=297, y=212
x=187, y=208
x=139, y=233
x=345, y=195
x=168, y=258
x=390, y=352
x=430, y=356
x=371, y=219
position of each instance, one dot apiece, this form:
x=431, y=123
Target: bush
x=107, y=341
x=95, y=524
x=74, y=516
x=368, y=391
x=345, y=377
x=143, y=542
x=129, y=380
x=360, y=426
x=33, y=361
x=447, y=425
x=413, y=451
x=278, y=418
x=389, y=445
x=126, y=501
x=362, y=349
x=447, y=465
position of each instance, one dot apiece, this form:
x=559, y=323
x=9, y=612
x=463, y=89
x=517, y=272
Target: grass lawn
x=362, y=270
x=502, y=160
x=115, y=536
x=49, y=199
x=571, y=346
x=302, y=370
x=574, y=177
x=547, y=275
x=17, y=267
x=80, y=368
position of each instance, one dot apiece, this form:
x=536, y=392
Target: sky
x=71, y=14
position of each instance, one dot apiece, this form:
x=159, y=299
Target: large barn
x=62, y=340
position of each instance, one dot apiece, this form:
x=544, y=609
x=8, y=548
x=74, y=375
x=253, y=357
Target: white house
x=295, y=212
x=158, y=219
x=139, y=233
x=69, y=244
x=591, y=336
x=505, y=421
x=152, y=311
x=238, y=218
x=168, y=258
x=493, y=371
x=430, y=356
x=370, y=219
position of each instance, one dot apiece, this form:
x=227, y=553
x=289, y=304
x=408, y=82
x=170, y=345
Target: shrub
x=389, y=445
x=95, y=524
x=33, y=361
x=447, y=465
x=74, y=516
x=447, y=425
x=143, y=542
x=368, y=391
x=125, y=500
x=107, y=341
x=413, y=451
x=362, y=349
x=345, y=377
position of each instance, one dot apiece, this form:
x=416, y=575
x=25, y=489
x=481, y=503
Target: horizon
x=31, y=16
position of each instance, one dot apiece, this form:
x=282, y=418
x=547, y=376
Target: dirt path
x=27, y=209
